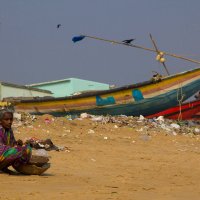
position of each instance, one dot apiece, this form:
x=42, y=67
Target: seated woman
x=12, y=152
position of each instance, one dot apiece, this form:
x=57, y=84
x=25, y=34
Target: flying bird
x=128, y=41
x=58, y=26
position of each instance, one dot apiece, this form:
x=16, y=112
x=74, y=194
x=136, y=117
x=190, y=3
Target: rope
x=144, y=48
x=180, y=101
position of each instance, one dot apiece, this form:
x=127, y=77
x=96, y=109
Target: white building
x=14, y=90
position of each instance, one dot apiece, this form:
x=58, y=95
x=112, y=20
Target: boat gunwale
x=102, y=92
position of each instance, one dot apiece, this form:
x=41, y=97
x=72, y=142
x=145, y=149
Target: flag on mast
x=78, y=38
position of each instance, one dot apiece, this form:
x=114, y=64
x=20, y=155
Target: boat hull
x=186, y=111
x=196, y=116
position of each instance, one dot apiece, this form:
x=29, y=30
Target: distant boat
x=186, y=111
x=146, y=98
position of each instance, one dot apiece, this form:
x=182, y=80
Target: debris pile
x=143, y=124
x=23, y=119
x=46, y=144
x=139, y=124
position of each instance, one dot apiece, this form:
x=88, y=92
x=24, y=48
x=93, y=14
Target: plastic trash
x=41, y=152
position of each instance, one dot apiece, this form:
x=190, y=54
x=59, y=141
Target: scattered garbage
x=197, y=131
x=43, y=144
x=143, y=124
x=176, y=126
x=41, y=152
x=160, y=119
x=115, y=126
x=90, y=131
x=17, y=116
x=84, y=115
x=139, y=124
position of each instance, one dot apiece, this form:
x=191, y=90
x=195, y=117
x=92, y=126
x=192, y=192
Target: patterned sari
x=10, y=152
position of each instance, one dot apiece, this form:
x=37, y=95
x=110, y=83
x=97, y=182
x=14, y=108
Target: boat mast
x=159, y=54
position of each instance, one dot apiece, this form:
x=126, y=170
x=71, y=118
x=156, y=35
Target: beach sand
x=105, y=161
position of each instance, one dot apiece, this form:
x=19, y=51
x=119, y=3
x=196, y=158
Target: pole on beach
x=158, y=52
x=144, y=48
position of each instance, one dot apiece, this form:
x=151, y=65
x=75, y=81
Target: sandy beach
x=108, y=161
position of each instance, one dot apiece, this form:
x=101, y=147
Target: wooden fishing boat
x=144, y=98
x=186, y=111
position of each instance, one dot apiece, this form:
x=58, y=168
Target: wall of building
x=84, y=85
x=59, y=89
x=11, y=91
x=68, y=87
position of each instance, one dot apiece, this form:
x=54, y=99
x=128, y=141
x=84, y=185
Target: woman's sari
x=10, y=152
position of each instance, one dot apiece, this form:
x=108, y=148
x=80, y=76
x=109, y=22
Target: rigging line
x=144, y=48
x=180, y=101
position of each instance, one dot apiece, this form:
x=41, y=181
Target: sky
x=34, y=50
